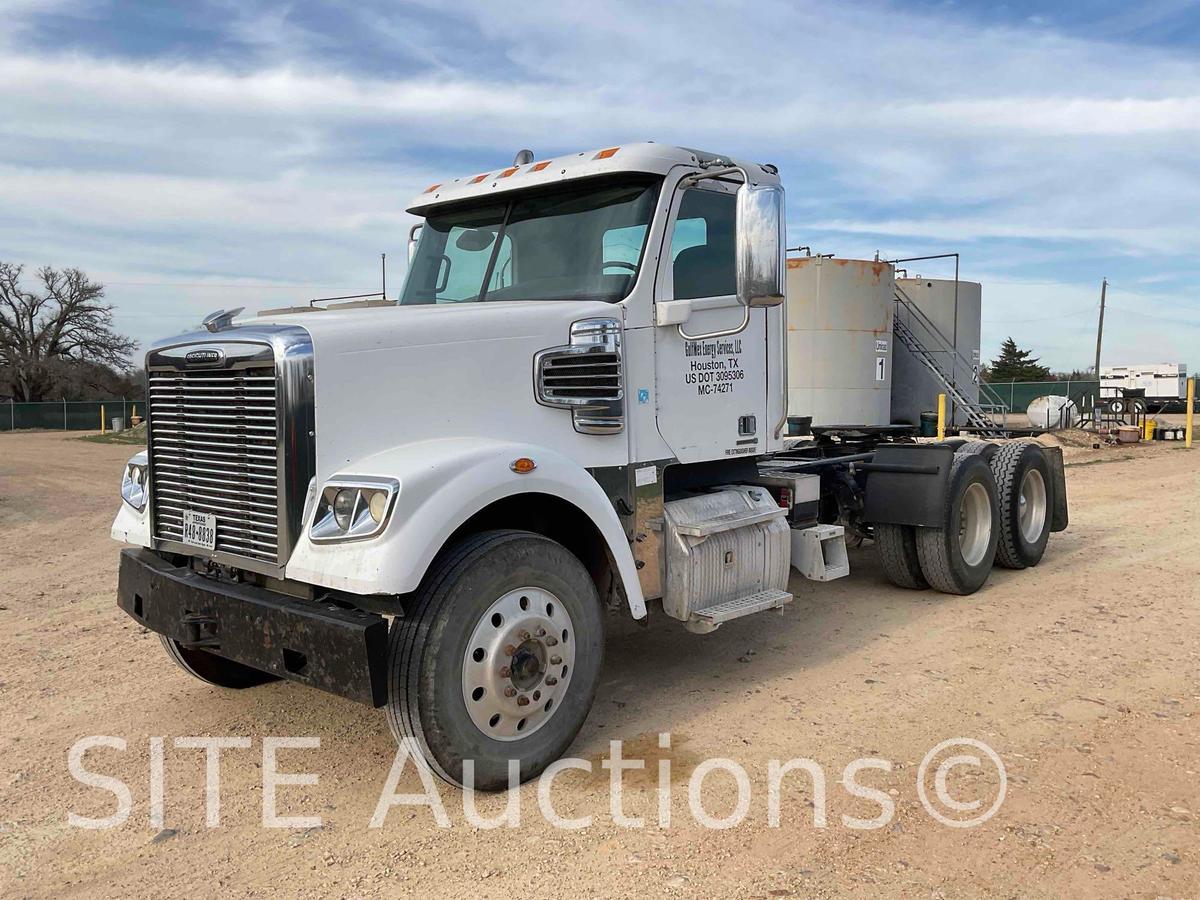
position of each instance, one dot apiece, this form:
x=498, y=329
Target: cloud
x=1040, y=153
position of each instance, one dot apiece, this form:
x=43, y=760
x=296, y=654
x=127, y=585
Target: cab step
x=703, y=621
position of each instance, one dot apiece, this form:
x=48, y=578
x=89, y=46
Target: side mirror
x=412, y=241
x=761, y=268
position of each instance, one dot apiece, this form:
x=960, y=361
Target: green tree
x=1015, y=364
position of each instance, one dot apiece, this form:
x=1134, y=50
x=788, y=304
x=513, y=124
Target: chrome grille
x=214, y=449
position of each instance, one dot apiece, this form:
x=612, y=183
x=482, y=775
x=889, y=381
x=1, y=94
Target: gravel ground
x=1081, y=674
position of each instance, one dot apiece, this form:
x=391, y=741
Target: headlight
x=133, y=484
x=353, y=509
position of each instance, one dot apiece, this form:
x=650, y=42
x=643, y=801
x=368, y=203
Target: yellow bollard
x=102, y=418
x=1191, y=407
x=941, y=417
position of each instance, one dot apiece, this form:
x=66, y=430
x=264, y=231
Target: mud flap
x=1058, y=477
x=906, y=484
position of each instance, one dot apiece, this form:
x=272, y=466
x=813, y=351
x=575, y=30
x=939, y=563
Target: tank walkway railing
x=980, y=415
x=992, y=402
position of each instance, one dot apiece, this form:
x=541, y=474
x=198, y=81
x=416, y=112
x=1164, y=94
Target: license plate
x=199, y=529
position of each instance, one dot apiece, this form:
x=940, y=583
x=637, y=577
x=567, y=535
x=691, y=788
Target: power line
x=1195, y=323
x=1077, y=312
x=1037, y=283
x=248, y=287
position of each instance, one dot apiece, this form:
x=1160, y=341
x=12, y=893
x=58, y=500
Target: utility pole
x=1100, y=327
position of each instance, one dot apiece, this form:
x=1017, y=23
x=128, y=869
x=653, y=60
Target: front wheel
x=212, y=669
x=499, y=658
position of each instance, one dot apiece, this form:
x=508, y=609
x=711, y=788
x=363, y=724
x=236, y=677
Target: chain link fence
x=70, y=415
x=1017, y=395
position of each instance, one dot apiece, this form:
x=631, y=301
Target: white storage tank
x=948, y=315
x=839, y=315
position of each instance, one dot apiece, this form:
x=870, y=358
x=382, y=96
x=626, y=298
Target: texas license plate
x=199, y=529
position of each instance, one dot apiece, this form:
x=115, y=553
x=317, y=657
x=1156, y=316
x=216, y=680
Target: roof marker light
x=605, y=154
x=539, y=166
x=432, y=188
x=508, y=172
x=478, y=178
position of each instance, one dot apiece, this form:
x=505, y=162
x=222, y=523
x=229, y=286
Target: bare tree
x=64, y=321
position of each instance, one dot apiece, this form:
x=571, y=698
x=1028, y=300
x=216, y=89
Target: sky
x=226, y=153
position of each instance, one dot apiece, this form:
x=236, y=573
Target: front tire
x=212, y=669
x=498, y=659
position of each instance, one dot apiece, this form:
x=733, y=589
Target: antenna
x=383, y=266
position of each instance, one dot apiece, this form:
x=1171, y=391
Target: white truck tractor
x=577, y=405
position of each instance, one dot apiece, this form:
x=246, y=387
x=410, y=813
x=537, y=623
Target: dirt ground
x=1081, y=674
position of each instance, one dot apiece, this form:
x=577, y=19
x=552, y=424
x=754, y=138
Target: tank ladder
x=980, y=415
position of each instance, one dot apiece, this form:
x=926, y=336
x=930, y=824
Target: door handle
x=678, y=312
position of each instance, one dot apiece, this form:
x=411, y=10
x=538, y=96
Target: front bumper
x=343, y=651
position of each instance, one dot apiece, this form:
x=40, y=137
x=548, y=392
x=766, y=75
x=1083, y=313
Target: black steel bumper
x=343, y=651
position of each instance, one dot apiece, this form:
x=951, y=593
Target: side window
x=703, y=245
x=622, y=245
x=688, y=233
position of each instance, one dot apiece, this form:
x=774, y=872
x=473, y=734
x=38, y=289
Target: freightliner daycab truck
x=577, y=406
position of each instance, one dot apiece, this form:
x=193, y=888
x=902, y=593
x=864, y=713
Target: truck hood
x=389, y=376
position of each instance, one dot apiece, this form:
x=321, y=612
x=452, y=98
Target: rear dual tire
x=1025, y=501
x=956, y=558
x=897, y=546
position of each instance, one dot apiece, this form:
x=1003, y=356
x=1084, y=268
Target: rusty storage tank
x=947, y=316
x=839, y=315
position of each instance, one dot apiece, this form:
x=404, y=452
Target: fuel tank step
x=703, y=621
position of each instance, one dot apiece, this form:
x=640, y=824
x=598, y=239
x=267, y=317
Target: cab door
x=710, y=391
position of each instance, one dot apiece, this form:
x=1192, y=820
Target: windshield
x=583, y=243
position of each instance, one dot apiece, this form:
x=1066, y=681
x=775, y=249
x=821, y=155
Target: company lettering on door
x=714, y=367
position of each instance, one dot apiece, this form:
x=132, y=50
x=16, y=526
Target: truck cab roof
x=645, y=157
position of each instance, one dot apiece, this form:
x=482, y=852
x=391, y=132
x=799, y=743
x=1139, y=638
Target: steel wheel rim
x=1031, y=505
x=974, y=524
x=518, y=664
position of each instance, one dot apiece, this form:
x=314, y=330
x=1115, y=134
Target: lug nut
x=556, y=660
x=510, y=692
x=541, y=632
x=510, y=650
x=551, y=680
x=524, y=635
x=551, y=641
x=537, y=695
x=522, y=700
x=504, y=671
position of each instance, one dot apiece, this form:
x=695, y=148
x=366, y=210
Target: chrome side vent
x=585, y=377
